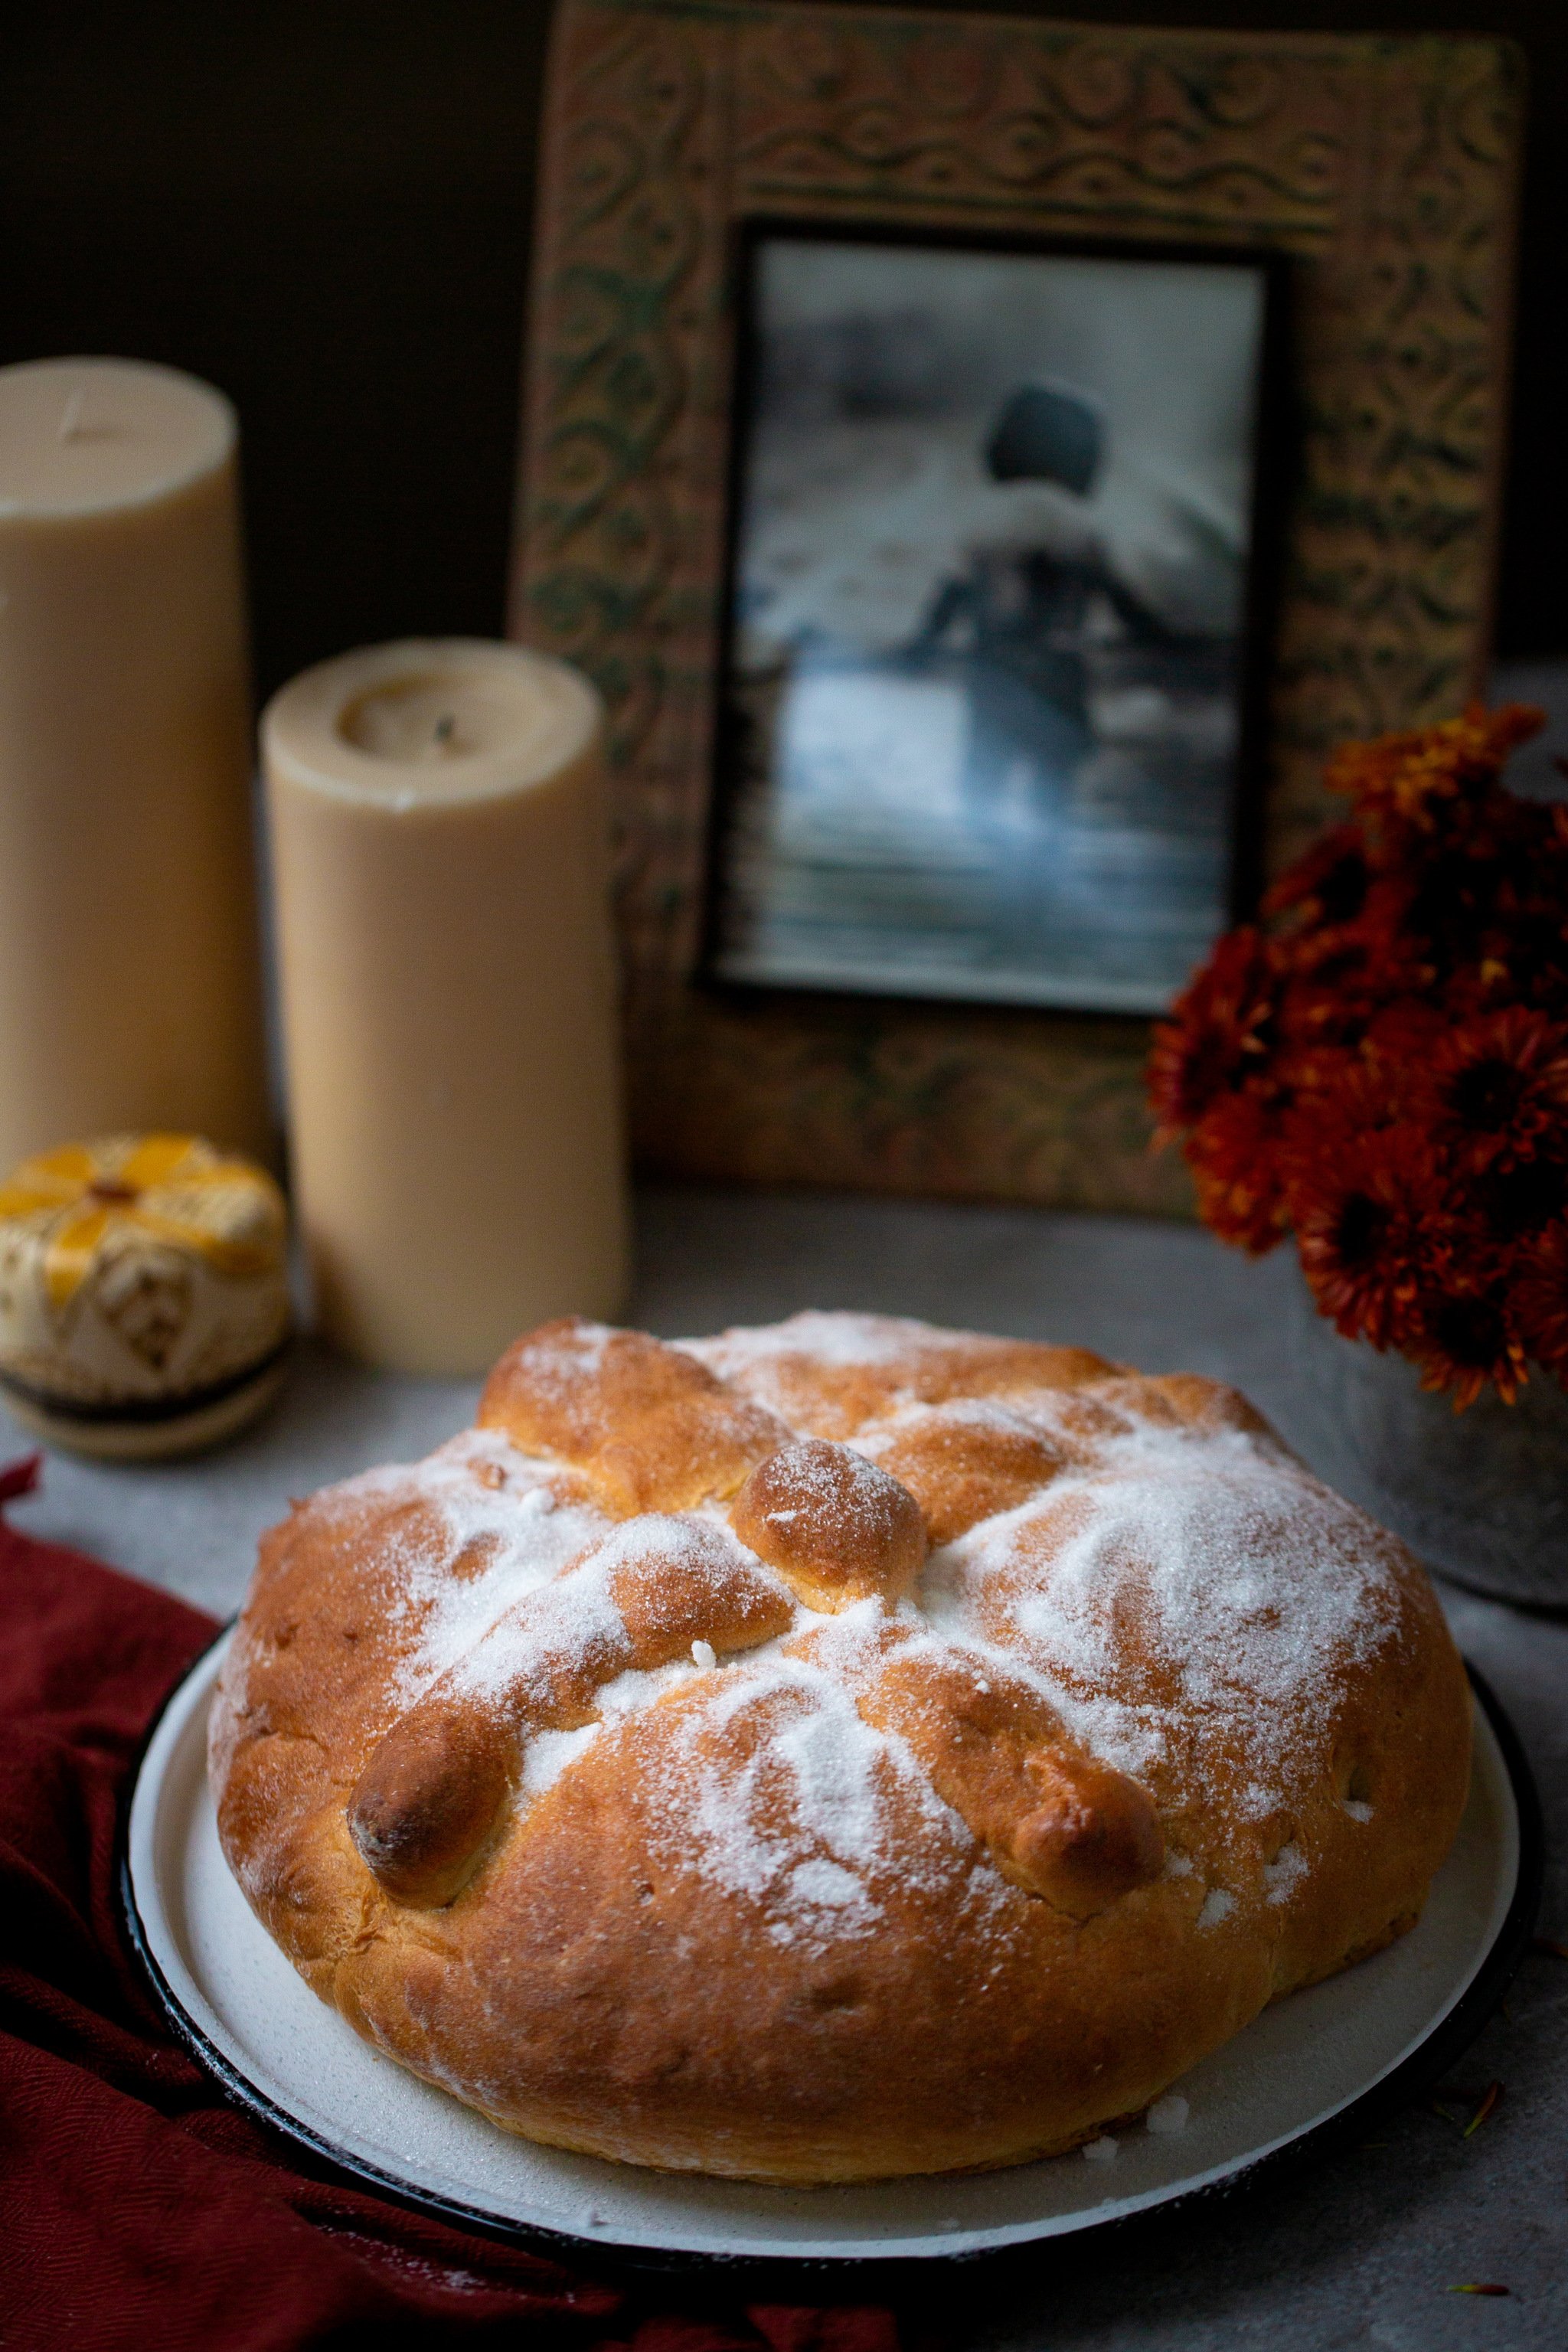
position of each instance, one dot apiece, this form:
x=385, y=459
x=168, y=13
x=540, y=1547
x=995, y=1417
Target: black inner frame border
x=709, y=2278
x=1276, y=464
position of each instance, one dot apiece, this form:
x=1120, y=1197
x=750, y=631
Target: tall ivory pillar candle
x=440, y=865
x=130, y=972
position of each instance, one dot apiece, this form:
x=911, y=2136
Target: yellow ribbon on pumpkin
x=93, y=1190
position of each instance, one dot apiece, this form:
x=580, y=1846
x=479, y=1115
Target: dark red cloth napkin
x=139, y=2208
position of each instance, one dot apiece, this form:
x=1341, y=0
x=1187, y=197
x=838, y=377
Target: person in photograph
x=1020, y=610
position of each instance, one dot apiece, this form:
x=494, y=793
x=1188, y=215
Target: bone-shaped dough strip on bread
x=647, y=1426
x=836, y=1391
x=424, y=1807
x=1055, y=1821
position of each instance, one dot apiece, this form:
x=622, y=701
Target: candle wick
x=446, y=726
x=70, y=416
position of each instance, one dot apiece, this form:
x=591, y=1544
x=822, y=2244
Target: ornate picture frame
x=1385, y=168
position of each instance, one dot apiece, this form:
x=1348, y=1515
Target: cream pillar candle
x=441, y=875
x=129, y=975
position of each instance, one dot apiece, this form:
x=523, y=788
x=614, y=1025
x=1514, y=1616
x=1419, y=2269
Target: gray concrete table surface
x=1365, y=2248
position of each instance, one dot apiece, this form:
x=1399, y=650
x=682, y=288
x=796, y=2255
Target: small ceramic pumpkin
x=144, y=1294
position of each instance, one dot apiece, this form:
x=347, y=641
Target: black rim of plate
x=1449, y=2037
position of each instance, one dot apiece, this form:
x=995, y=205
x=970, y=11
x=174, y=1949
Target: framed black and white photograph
x=996, y=604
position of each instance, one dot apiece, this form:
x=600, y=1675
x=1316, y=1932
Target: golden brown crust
x=965, y=1463
x=649, y=1427
x=943, y=1865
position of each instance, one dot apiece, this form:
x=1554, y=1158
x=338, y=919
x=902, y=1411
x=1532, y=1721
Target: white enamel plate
x=1316, y=2066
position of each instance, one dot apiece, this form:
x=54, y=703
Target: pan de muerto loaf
x=834, y=1750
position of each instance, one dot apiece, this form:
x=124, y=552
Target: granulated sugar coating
x=976, y=1732
x=466, y=1533
x=1189, y=1578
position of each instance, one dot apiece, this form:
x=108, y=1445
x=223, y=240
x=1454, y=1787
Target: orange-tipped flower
x=1497, y=1088
x=1409, y=778
x=1463, y=1339
x=1371, y=1222
x=1218, y=1034
x=1385, y=1072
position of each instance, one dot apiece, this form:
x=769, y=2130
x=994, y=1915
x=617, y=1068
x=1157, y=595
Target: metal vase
x=1481, y=1495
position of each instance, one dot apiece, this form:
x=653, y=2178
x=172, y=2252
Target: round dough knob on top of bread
x=840, y=1750
x=836, y=1527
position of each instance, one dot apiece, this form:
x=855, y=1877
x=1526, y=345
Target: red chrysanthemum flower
x=1400, y=1039
x=1232, y=1154
x=1514, y=1205
x=1216, y=1034
x=1328, y=883
x=1387, y=1071
x=1336, y=983
x=1541, y=1299
x=1407, y=779
x=1392, y=931
x=1496, y=1090
x=1463, y=1339
x=1371, y=1218
x=1304, y=1074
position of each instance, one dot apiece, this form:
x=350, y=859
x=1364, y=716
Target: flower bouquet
x=1383, y=1070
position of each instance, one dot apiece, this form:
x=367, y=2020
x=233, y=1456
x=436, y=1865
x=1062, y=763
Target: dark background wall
x=322, y=205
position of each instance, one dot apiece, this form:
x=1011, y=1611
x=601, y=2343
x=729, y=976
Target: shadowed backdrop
x=325, y=209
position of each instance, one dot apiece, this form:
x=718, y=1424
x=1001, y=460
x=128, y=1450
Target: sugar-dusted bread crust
x=831, y=1751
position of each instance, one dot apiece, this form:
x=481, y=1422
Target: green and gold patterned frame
x=1387, y=167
